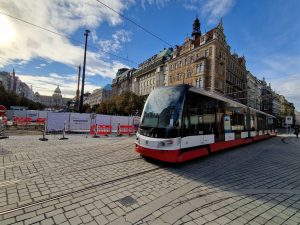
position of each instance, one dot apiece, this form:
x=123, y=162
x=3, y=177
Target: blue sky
x=265, y=32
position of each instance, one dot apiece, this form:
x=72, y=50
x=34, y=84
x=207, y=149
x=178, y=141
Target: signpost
x=2, y=122
x=288, y=122
x=2, y=110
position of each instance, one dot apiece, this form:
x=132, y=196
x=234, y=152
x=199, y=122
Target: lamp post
x=86, y=34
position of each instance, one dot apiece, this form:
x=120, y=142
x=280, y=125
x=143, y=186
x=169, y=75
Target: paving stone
x=34, y=219
x=60, y=218
x=101, y=220
x=48, y=221
x=55, y=169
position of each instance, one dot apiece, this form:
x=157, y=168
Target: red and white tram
x=181, y=122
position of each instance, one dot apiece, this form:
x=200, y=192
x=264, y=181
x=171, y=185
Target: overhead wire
x=68, y=37
x=135, y=23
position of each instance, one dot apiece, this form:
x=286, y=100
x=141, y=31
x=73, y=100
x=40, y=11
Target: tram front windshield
x=162, y=112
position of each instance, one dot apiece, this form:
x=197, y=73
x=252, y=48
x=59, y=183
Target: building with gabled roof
x=205, y=61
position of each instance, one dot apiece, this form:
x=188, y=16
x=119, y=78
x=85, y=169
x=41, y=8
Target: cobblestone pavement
x=103, y=181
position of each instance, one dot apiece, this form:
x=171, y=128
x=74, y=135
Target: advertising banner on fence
x=103, y=119
x=43, y=114
x=20, y=113
x=80, y=122
x=33, y=114
x=115, y=120
x=56, y=121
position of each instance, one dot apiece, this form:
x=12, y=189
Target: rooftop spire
x=196, y=28
x=220, y=25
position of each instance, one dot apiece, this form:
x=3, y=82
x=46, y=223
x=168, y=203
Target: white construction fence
x=75, y=122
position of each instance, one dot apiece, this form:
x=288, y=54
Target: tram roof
x=225, y=99
x=255, y=110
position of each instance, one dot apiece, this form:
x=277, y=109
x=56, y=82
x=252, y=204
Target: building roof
x=123, y=76
x=107, y=87
x=57, y=90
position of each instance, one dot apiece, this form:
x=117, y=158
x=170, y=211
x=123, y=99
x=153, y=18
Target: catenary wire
x=133, y=22
x=68, y=37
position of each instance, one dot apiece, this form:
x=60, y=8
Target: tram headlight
x=169, y=142
x=164, y=143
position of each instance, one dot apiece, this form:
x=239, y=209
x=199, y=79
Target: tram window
x=261, y=122
x=238, y=121
x=199, y=115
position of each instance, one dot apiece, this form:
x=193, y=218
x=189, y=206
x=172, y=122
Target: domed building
x=56, y=101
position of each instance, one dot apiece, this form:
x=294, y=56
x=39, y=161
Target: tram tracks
x=32, y=176
x=25, y=154
x=60, y=170
x=80, y=190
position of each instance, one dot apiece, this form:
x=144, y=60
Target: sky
x=265, y=32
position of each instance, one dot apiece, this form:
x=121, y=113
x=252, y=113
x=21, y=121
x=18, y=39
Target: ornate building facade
x=99, y=95
x=254, y=91
x=123, y=81
x=152, y=73
x=205, y=61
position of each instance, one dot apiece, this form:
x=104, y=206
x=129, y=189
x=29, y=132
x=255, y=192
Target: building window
x=206, y=53
x=199, y=68
x=189, y=73
x=197, y=83
x=201, y=83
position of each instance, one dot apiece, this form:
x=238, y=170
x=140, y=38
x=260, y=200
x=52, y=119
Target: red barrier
x=92, y=129
x=104, y=129
x=101, y=129
x=22, y=120
x=126, y=129
x=41, y=121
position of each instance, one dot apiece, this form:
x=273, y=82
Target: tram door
x=219, y=134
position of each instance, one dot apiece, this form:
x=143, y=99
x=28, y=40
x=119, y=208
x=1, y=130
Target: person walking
x=296, y=131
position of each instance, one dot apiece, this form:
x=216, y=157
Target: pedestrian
x=296, y=131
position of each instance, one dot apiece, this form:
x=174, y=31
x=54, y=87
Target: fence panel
x=33, y=114
x=115, y=120
x=56, y=120
x=80, y=122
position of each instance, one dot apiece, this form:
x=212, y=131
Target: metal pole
x=86, y=34
x=78, y=91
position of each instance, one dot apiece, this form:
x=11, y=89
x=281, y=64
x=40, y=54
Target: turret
x=196, y=28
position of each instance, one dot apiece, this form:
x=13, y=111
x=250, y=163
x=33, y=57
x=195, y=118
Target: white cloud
x=46, y=84
x=289, y=87
x=115, y=43
x=158, y=3
x=62, y=16
x=283, y=72
x=213, y=10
